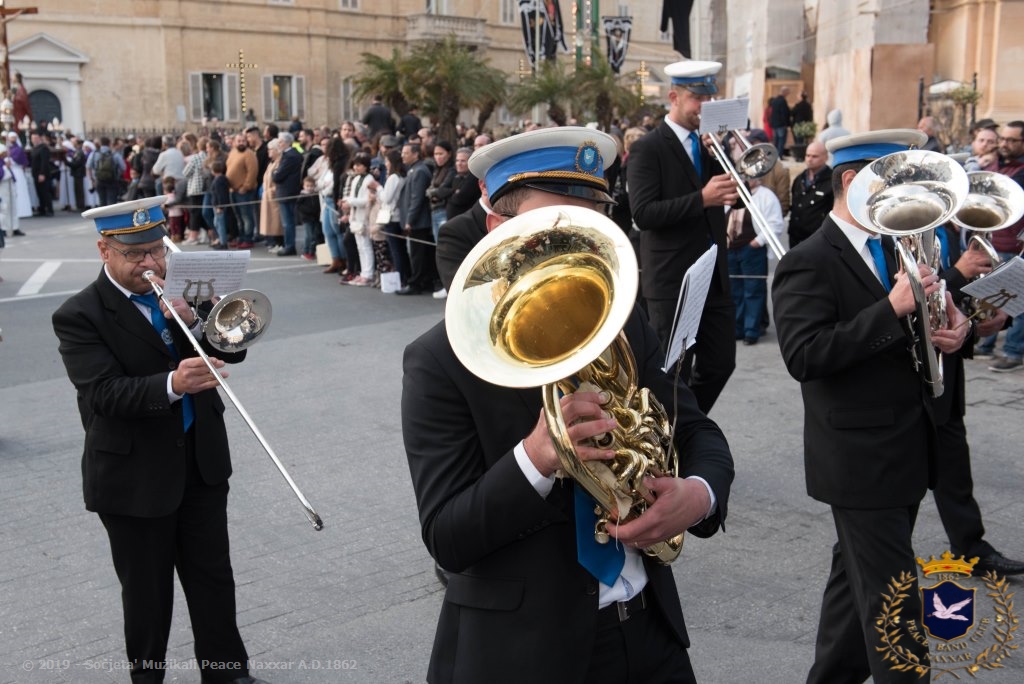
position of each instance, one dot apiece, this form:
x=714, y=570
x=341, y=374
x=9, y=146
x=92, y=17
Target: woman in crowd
x=335, y=157
x=387, y=215
x=197, y=183
x=355, y=208
x=270, y=213
x=441, y=185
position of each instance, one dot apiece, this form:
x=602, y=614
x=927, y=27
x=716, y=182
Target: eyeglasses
x=1010, y=140
x=137, y=256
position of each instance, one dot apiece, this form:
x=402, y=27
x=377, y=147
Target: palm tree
x=552, y=85
x=444, y=77
x=602, y=94
x=383, y=77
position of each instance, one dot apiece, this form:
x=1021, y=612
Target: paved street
x=358, y=601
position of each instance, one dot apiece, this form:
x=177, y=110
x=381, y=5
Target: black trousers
x=423, y=274
x=709, y=363
x=641, y=650
x=954, y=492
x=44, y=191
x=874, y=548
x=193, y=540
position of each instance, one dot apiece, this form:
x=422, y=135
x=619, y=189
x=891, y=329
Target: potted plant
x=803, y=133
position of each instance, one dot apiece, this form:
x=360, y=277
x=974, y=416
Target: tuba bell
x=541, y=301
x=906, y=195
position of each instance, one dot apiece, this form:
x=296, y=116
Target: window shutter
x=268, y=98
x=195, y=96
x=299, y=85
x=231, y=98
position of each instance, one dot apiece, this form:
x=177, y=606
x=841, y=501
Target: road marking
x=36, y=281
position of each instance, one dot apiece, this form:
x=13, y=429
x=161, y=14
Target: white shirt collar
x=857, y=236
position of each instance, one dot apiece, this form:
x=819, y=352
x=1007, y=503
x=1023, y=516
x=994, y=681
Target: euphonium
x=994, y=201
x=541, y=301
x=907, y=195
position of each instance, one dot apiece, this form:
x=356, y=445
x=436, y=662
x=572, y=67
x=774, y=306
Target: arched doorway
x=45, y=106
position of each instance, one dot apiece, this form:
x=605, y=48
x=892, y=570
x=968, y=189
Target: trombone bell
x=238, y=320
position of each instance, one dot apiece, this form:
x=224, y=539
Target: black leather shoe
x=409, y=290
x=1000, y=564
x=286, y=252
x=17, y=233
x=749, y=341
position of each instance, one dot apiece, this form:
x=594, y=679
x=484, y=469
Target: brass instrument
x=756, y=161
x=994, y=201
x=541, y=301
x=234, y=323
x=906, y=195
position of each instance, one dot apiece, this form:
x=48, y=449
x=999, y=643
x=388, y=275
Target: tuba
x=541, y=301
x=906, y=195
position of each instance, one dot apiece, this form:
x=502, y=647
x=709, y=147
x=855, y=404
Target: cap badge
x=588, y=158
x=140, y=217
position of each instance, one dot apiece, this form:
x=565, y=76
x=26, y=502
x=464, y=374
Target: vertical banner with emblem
x=543, y=31
x=616, y=31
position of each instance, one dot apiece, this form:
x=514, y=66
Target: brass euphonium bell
x=907, y=195
x=541, y=301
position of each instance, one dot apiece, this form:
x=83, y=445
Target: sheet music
x=1003, y=288
x=692, y=295
x=719, y=116
x=205, y=273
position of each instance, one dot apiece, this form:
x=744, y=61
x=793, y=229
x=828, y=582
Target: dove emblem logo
x=948, y=610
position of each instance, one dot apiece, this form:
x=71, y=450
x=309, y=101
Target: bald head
x=816, y=156
x=927, y=125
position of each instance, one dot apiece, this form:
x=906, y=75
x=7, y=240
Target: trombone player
x=519, y=605
x=156, y=461
x=677, y=194
x=868, y=431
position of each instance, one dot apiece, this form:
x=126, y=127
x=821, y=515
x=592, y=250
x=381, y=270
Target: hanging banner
x=542, y=19
x=616, y=31
x=678, y=11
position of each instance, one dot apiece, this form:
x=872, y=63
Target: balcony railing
x=434, y=27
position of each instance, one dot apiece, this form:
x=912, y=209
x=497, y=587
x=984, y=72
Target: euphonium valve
x=541, y=302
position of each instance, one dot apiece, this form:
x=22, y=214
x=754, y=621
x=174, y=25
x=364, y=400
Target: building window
x=214, y=96
x=348, y=106
x=284, y=97
x=348, y=4
x=623, y=10
x=437, y=6
x=509, y=12
x=665, y=36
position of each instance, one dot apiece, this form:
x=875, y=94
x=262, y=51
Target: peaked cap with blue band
x=870, y=146
x=131, y=223
x=696, y=76
x=567, y=160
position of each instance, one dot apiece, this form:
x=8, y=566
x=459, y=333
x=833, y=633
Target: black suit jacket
x=134, y=457
x=868, y=434
x=676, y=228
x=456, y=238
x=519, y=607
x=413, y=207
x=288, y=175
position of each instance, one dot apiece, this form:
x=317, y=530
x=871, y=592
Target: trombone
x=238, y=319
x=756, y=161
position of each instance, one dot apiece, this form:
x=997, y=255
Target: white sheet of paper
x=692, y=295
x=1003, y=288
x=719, y=116
x=209, y=273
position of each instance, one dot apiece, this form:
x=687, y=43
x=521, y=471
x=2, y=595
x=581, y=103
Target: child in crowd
x=175, y=214
x=221, y=200
x=308, y=206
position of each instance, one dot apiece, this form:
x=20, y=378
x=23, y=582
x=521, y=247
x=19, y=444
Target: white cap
x=696, y=76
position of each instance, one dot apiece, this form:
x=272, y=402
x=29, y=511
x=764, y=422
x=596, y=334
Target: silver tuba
x=906, y=195
x=541, y=301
